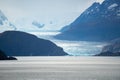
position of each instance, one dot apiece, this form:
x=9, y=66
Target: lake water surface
x=61, y=68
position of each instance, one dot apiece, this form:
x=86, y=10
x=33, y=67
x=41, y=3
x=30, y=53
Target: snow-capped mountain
x=5, y=24
x=21, y=24
x=38, y=24
x=28, y=24
x=98, y=22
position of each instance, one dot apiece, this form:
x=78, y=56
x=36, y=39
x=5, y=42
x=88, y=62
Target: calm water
x=61, y=68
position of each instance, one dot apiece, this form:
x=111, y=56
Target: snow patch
x=118, y=13
x=113, y=6
x=5, y=28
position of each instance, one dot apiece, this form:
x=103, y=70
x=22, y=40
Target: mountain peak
x=96, y=3
x=100, y=22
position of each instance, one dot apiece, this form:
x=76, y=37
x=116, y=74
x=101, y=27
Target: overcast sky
x=60, y=11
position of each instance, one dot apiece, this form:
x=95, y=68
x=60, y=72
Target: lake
x=61, y=68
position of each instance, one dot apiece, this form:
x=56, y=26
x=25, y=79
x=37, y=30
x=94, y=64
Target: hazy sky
x=61, y=12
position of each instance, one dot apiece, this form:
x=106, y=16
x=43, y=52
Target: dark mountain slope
x=16, y=43
x=3, y=56
x=100, y=22
x=112, y=49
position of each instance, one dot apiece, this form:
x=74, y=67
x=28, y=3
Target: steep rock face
x=3, y=56
x=112, y=49
x=16, y=43
x=100, y=22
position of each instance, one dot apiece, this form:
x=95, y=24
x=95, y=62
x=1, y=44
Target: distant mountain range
x=5, y=24
x=16, y=43
x=22, y=25
x=100, y=22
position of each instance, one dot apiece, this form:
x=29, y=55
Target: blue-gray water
x=61, y=68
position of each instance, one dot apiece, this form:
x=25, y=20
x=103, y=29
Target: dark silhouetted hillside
x=3, y=56
x=16, y=43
